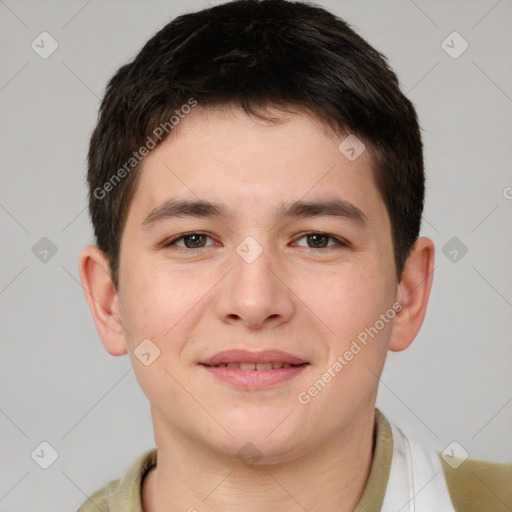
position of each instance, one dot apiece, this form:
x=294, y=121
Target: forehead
x=223, y=155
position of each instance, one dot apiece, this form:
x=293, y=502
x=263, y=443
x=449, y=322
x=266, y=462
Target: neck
x=329, y=477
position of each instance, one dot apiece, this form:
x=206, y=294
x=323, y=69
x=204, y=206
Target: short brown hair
x=254, y=54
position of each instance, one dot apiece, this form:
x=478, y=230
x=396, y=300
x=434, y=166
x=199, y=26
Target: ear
x=413, y=293
x=102, y=298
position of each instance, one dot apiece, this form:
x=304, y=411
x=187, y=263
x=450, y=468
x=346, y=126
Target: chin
x=259, y=452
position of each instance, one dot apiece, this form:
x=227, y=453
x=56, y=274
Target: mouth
x=255, y=366
x=245, y=358
x=254, y=370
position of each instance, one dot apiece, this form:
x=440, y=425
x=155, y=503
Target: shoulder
x=477, y=485
x=122, y=495
x=98, y=501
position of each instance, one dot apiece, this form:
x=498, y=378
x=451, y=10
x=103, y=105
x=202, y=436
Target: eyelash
x=338, y=241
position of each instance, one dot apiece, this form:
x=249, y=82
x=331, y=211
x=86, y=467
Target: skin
x=194, y=302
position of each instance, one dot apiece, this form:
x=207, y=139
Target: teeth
x=264, y=366
x=254, y=366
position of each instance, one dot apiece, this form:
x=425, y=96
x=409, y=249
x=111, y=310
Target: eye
x=189, y=241
x=314, y=240
x=319, y=240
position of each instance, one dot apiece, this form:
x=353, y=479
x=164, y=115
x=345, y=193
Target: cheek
x=160, y=303
x=347, y=300
x=155, y=308
x=355, y=354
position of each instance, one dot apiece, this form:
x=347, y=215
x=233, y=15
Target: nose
x=255, y=293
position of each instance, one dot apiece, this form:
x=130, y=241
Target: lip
x=245, y=356
x=254, y=379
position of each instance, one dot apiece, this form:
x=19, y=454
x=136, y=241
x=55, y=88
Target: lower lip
x=254, y=379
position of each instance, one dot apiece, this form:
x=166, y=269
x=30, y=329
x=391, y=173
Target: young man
x=256, y=191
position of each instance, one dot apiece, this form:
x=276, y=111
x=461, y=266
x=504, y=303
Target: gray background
x=57, y=382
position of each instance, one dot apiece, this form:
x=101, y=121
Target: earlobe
x=413, y=294
x=102, y=298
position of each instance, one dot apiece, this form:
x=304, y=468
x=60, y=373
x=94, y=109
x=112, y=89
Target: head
x=244, y=109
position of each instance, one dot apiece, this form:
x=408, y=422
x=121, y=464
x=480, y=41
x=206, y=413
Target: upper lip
x=245, y=356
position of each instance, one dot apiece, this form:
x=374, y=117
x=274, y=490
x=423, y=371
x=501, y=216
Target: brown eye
x=321, y=240
x=190, y=241
x=193, y=241
x=317, y=241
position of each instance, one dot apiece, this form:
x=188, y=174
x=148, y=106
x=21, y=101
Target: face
x=289, y=263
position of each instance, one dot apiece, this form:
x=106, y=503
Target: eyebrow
x=174, y=208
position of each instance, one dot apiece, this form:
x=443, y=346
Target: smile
x=254, y=366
